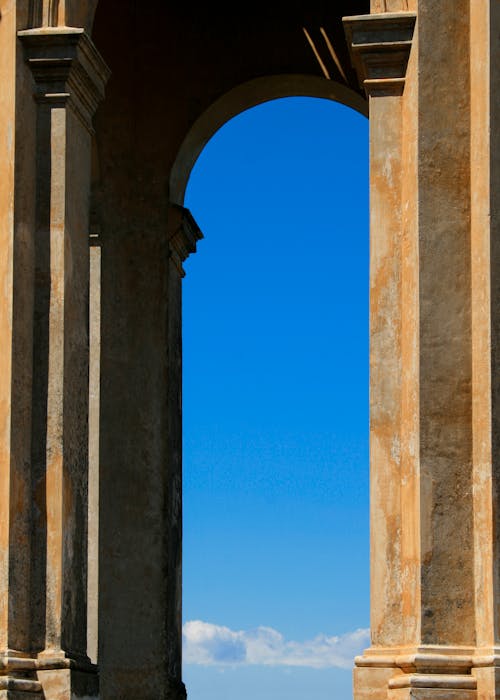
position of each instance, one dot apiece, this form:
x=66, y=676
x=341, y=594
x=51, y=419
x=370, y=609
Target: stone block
x=371, y=683
x=68, y=684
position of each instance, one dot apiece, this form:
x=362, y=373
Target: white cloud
x=214, y=645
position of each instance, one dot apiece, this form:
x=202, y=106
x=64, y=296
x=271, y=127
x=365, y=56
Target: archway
x=133, y=220
x=244, y=97
x=275, y=412
x=434, y=326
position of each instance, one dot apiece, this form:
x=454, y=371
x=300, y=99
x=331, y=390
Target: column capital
x=380, y=46
x=66, y=67
x=183, y=234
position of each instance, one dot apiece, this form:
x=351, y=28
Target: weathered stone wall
x=430, y=71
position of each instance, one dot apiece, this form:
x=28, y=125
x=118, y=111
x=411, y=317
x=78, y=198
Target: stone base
x=431, y=694
x=432, y=686
x=488, y=682
x=371, y=682
x=69, y=684
x=15, y=688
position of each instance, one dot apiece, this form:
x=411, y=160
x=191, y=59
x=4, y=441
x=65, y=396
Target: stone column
x=69, y=78
x=380, y=48
x=434, y=622
x=140, y=504
x=183, y=234
x=17, y=145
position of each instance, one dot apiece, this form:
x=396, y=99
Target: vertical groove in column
x=94, y=410
x=55, y=384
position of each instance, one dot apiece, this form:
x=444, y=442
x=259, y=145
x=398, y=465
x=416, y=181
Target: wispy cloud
x=215, y=645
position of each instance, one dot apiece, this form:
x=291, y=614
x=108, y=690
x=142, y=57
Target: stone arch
x=167, y=117
x=435, y=579
x=244, y=97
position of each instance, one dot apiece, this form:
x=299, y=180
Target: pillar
x=380, y=49
x=17, y=196
x=69, y=78
x=140, y=504
x=435, y=542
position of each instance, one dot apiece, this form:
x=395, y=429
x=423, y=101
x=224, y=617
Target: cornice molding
x=380, y=46
x=67, y=68
x=183, y=234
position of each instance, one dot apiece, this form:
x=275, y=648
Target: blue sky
x=275, y=398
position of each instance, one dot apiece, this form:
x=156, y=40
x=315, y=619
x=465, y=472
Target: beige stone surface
x=392, y=5
x=67, y=684
x=372, y=682
x=96, y=569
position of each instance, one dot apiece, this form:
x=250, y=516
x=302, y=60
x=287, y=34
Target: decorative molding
x=18, y=675
x=445, y=681
x=67, y=68
x=484, y=659
x=380, y=46
x=422, y=660
x=430, y=666
x=183, y=234
x=21, y=687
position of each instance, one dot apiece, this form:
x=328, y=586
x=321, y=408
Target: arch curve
x=243, y=97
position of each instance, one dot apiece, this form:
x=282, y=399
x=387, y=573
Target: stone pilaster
x=434, y=631
x=17, y=671
x=485, y=321
x=69, y=78
x=183, y=234
x=380, y=48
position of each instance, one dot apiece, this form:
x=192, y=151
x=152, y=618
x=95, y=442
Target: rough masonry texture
x=104, y=108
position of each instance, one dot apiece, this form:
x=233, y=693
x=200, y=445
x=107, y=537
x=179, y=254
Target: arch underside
x=244, y=97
